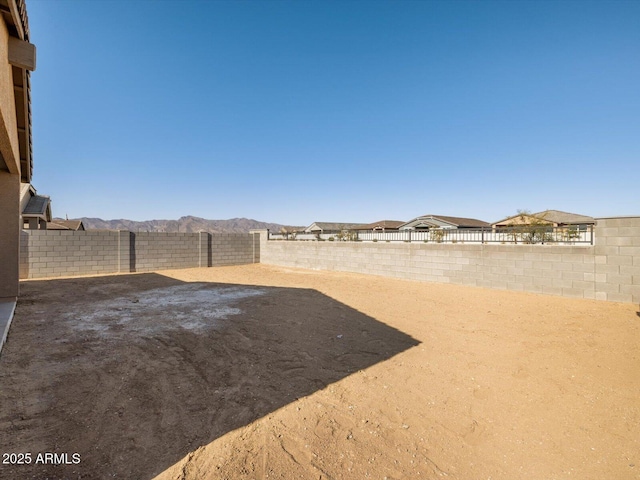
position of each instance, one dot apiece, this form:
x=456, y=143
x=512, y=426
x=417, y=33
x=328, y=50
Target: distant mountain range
x=187, y=224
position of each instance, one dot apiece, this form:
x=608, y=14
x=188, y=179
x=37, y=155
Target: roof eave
x=22, y=58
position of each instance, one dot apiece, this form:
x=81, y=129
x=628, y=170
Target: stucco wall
x=8, y=126
x=9, y=175
x=9, y=231
x=610, y=270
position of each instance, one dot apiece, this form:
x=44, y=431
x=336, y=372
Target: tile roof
x=335, y=225
x=457, y=221
x=557, y=216
x=390, y=224
x=65, y=225
x=554, y=216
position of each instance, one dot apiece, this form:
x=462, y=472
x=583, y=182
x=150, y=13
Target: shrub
x=437, y=234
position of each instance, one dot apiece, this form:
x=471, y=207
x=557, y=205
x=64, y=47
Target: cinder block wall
x=617, y=259
x=54, y=253
x=610, y=270
x=161, y=251
x=234, y=249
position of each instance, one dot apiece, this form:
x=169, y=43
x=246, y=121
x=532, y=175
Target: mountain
x=184, y=224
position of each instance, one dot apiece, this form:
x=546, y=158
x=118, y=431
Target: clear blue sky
x=349, y=111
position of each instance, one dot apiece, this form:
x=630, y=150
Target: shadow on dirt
x=134, y=372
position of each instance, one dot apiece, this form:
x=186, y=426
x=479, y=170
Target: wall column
x=126, y=252
x=204, y=249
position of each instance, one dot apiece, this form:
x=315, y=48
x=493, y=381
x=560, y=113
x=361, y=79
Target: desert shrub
x=437, y=235
x=571, y=233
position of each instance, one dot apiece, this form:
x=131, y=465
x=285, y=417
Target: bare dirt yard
x=256, y=372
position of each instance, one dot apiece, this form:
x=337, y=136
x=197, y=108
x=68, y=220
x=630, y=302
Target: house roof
x=58, y=224
x=34, y=205
x=333, y=226
x=554, y=216
x=390, y=224
x=37, y=205
x=458, y=222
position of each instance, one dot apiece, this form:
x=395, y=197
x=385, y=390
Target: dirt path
x=264, y=372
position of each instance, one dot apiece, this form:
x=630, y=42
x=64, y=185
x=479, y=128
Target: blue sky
x=350, y=111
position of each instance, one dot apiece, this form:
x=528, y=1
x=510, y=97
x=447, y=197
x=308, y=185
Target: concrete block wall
x=162, y=251
x=234, y=249
x=54, y=253
x=617, y=259
x=610, y=270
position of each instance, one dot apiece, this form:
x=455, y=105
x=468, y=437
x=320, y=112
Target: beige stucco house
x=554, y=218
x=58, y=224
x=17, y=60
x=426, y=222
x=381, y=226
x=320, y=227
x=35, y=209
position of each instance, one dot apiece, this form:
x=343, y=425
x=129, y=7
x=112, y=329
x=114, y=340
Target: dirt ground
x=256, y=372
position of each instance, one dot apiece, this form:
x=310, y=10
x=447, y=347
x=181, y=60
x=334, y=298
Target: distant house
x=425, y=222
x=321, y=227
x=35, y=209
x=381, y=226
x=554, y=218
x=58, y=224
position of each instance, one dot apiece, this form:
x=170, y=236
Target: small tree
x=346, y=235
x=571, y=233
x=530, y=229
x=437, y=234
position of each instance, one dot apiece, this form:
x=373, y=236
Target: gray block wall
x=55, y=253
x=610, y=270
x=162, y=251
x=234, y=249
x=617, y=259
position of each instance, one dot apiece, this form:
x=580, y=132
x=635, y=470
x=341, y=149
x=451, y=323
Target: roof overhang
x=22, y=57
